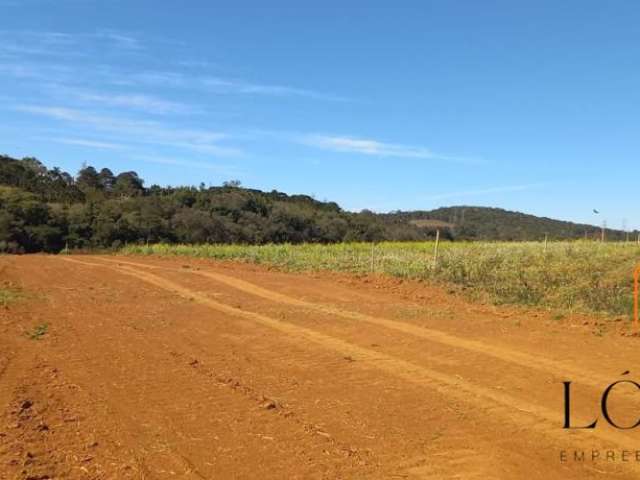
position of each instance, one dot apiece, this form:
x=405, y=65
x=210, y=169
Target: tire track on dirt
x=545, y=365
x=526, y=415
x=154, y=458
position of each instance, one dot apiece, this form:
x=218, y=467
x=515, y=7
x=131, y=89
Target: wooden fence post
x=636, y=292
x=435, y=249
x=373, y=264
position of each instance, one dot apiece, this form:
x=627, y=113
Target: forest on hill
x=485, y=223
x=44, y=209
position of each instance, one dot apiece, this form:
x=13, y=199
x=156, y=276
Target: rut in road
x=493, y=404
x=509, y=355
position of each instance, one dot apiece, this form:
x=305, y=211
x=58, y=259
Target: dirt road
x=130, y=367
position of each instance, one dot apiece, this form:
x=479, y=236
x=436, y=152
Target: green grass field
x=571, y=276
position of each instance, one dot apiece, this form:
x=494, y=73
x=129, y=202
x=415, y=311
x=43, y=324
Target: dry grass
x=573, y=276
x=7, y=296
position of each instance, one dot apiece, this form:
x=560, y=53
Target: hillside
x=484, y=223
x=44, y=209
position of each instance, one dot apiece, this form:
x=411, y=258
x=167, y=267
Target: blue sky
x=529, y=106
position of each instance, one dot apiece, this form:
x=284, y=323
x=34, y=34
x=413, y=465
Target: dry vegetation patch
x=574, y=276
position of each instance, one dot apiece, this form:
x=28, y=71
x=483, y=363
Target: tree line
x=44, y=209
x=485, y=223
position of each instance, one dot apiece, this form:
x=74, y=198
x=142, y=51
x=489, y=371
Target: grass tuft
x=7, y=296
x=39, y=331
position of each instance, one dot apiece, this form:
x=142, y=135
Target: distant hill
x=485, y=223
x=44, y=209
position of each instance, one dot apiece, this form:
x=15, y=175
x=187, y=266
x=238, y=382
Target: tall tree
x=87, y=179
x=128, y=184
x=106, y=179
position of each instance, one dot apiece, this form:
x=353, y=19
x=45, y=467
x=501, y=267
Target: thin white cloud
x=364, y=146
x=119, y=40
x=196, y=64
x=142, y=102
x=89, y=143
x=19, y=70
x=180, y=162
x=486, y=191
x=206, y=148
x=140, y=131
x=14, y=48
x=31, y=71
x=78, y=116
x=239, y=86
x=223, y=85
x=34, y=37
x=163, y=79
x=47, y=43
x=216, y=85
